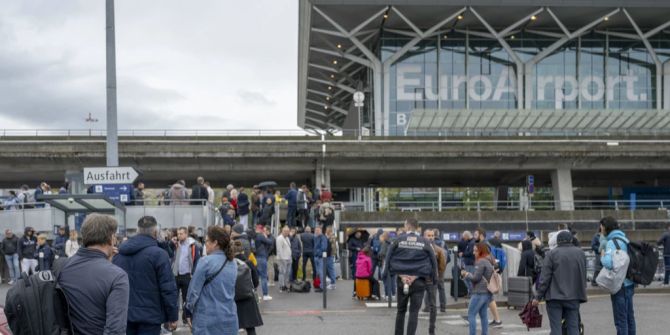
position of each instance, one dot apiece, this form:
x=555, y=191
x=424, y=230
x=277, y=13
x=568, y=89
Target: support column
x=561, y=182
x=528, y=85
x=501, y=197
x=666, y=85
x=378, y=84
x=322, y=175
x=75, y=178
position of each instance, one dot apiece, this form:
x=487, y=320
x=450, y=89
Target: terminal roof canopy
x=332, y=66
x=81, y=203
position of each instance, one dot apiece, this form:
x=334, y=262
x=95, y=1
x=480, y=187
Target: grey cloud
x=254, y=98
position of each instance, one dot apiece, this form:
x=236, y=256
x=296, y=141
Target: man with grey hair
x=284, y=259
x=96, y=290
x=153, y=290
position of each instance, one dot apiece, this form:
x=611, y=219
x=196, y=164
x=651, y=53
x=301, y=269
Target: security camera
x=71, y=200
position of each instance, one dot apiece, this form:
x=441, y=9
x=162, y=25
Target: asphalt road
x=294, y=313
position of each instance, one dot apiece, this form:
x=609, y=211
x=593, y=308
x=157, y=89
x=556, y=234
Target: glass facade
x=467, y=71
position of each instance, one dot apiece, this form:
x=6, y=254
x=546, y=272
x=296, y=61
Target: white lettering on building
x=411, y=85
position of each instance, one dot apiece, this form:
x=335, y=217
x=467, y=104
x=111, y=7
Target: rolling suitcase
x=519, y=291
x=363, y=290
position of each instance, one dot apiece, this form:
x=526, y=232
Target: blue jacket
x=263, y=245
x=595, y=243
x=153, y=290
x=97, y=291
x=292, y=198
x=469, y=253
x=59, y=245
x=213, y=306
x=307, y=240
x=610, y=248
x=411, y=255
x=45, y=263
x=320, y=245
x=665, y=242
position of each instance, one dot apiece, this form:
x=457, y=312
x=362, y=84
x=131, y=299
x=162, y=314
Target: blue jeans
x=262, y=265
x=622, y=307
x=389, y=286
x=13, y=264
x=142, y=329
x=330, y=264
x=479, y=304
x=318, y=264
x=290, y=217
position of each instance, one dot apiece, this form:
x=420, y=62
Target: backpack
x=376, y=245
x=501, y=257
x=494, y=284
x=244, y=286
x=643, y=262
x=37, y=305
x=301, y=286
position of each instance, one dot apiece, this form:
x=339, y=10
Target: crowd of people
x=25, y=197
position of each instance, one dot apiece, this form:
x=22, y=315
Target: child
x=43, y=254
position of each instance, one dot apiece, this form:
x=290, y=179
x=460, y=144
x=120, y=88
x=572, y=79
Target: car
x=4, y=326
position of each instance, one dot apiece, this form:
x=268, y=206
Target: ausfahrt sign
x=109, y=175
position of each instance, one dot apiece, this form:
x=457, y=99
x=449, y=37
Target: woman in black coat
x=248, y=313
x=527, y=263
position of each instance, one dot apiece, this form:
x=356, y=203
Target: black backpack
x=301, y=286
x=643, y=262
x=37, y=305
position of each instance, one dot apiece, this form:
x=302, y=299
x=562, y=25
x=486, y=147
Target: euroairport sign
x=109, y=175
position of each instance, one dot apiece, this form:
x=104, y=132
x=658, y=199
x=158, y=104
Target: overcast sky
x=197, y=64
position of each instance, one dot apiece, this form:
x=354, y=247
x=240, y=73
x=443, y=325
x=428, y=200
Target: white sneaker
x=11, y=282
x=267, y=298
x=331, y=287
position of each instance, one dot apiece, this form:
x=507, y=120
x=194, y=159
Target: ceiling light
x=511, y=37
x=335, y=61
x=445, y=37
x=460, y=17
x=386, y=15
x=325, y=107
x=606, y=18
x=339, y=46
x=327, y=98
x=330, y=88
x=533, y=18
x=332, y=76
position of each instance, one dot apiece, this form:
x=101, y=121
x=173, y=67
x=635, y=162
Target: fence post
x=324, y=268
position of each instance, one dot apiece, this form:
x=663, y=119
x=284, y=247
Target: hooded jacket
x=611, y=247
x=363, y=266
x=263, y=245
x=296, y=246
x=563, y=272
x=153, y=290
x=27, y=246
x=243, y=204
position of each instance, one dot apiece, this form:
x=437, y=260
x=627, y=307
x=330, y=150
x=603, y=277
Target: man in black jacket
x=26, y=249
x=563, y=284
x=153, y=290
x=296, y=251
x=199, y=191
x=307, y=239
x=412, y=259
x=9, y=249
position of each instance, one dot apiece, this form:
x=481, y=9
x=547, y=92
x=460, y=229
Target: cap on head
x=238, y=228
x=564, y=237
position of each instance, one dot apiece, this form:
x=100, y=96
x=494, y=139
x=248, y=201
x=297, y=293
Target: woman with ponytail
x=211, y=294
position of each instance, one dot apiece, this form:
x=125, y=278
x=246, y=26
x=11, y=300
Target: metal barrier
x=544, y=205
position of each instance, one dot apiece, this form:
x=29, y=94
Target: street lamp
x=359, y=97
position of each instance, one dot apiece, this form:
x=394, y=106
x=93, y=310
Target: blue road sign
x=115, y=192
x=531, y=184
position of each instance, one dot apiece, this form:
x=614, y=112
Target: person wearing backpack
x=481, y=296
x=622, y=301
x=211, y=294
x=563, y=284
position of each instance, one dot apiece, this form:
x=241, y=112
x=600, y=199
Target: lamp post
x=359, y=97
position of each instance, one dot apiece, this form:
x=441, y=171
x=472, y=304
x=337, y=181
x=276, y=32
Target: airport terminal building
x=511, y=69
x=486, y=67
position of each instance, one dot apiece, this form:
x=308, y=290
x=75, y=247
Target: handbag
x=612, y=279
x=530, y=316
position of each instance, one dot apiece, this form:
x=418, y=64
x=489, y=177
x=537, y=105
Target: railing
x=545, y=205
x=155, y=132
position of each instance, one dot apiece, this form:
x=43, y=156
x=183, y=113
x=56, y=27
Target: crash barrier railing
x=544, y=205
x=40, y=217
